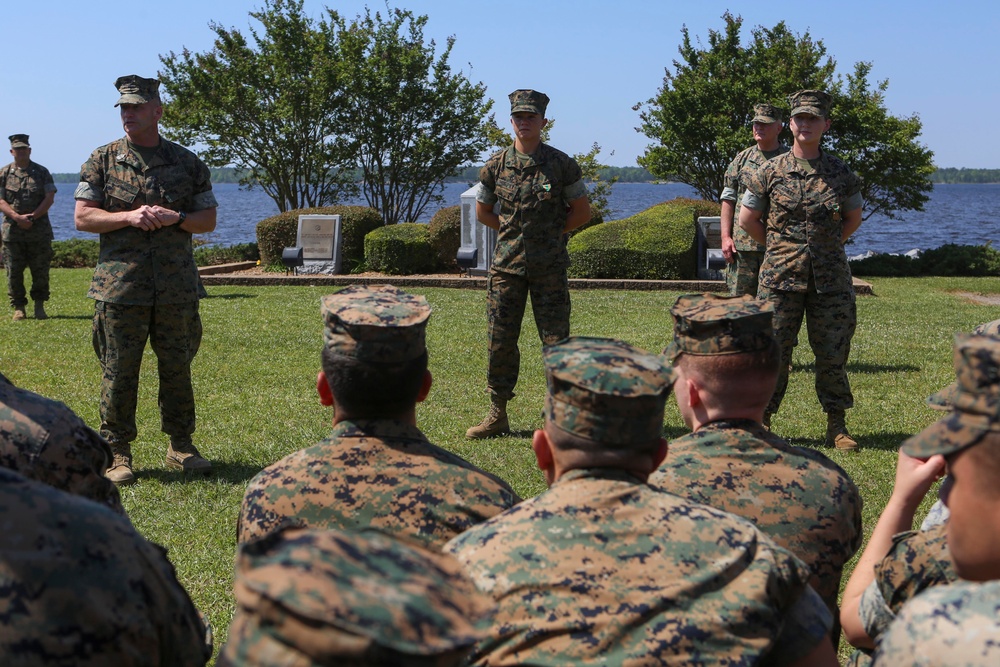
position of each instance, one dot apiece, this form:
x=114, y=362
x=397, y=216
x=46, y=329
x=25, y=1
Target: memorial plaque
x=319, y=238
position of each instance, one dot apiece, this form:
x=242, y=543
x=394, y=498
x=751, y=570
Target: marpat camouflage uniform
x=24, y=190
x=146, y=284
x=311, y=598
x=374, y=472
x=741, y=275
x=45, y=441
x=917, y=560
x=805, y=271
x=948, y=626
x=800, y=498
x=530, y=257
x=80, y=587
x=378, y=473
x=603, y=569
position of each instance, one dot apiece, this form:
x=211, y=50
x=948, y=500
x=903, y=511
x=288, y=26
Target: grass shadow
x=231, y=473
x=866, y=369
x=231, y=296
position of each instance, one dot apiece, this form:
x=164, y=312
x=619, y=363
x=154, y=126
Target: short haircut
x=601, y=454
x=719, y=371
x=371, y=390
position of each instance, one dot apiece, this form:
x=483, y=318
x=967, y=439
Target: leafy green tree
x=271, y=105
x=882, y=149
x=414, y=121
x=700, y=117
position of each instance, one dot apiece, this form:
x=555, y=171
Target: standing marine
x=146, y=197
x=26, y=194
x=542, y=196
x=743, y=255
x=803, y=206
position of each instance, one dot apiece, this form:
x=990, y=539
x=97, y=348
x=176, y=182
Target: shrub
x=212, y=255
x=401, y=249
x=445, y=231
x=279, y=232
x=960, y=260
x=656, y=244
x=75, y=253
x=948, y=260
x=885, y=266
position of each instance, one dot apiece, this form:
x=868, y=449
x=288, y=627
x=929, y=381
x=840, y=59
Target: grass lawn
x=255, y=388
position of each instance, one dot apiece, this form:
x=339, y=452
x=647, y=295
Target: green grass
x=255, y=387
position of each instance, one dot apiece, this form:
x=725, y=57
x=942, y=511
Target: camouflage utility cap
x=975, y=403
x=712, y=324
x=19, y=141
x=814, y=102
x=766, y=113
x=531, y=101
x=376, y=324
x=324, y=597
x=135, y=89
x=943, y=399
x=606, y=391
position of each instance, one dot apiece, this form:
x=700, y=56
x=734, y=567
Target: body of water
x=956, y=213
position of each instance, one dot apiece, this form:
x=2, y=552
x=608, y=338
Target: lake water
x=958, y=213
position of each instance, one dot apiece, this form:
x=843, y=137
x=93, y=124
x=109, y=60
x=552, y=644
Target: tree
x=271, y=106
x=700, y=117
x=415, y=122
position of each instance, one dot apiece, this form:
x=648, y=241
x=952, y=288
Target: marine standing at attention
x=743, y=255
x=542, y=197
x=812, y=202
x=146, y=197
x=26, y=194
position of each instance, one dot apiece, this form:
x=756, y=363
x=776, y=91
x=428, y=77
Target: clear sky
x=595, y=60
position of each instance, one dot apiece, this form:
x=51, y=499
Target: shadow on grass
x=866, y=369
x=231, y=296
x=886, y=442
x=233, y=473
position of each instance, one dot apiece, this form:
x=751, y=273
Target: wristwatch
x=183, y=216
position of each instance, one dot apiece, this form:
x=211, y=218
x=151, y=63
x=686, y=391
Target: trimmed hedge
x=213, y=255
x=278, y=232
x=656, y=244
x=401, y=250
x=75, y=253
x=948, y=260
x=445, y=231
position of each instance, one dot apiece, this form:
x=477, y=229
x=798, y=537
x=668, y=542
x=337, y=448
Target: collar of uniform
x=376, y=428
x=820, y=166
x=165, y=154
x=613, y=474
x=538, y=157
x=724, y=424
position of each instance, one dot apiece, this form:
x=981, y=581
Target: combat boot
x=19, y=314
x=120, y=472
x=495, y=423
x=836, y=432
x=183, y=455
x=40, y=311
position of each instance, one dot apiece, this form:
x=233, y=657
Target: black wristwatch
x=184, y=216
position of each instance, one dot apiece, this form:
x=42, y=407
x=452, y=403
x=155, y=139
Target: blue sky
x=595, y=59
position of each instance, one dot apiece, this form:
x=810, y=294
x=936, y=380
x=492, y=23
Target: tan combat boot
x=40, y=311
x=836, y=432
x=495, y=423
x=183, y=455
x=19, y=314
x=120, y=472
